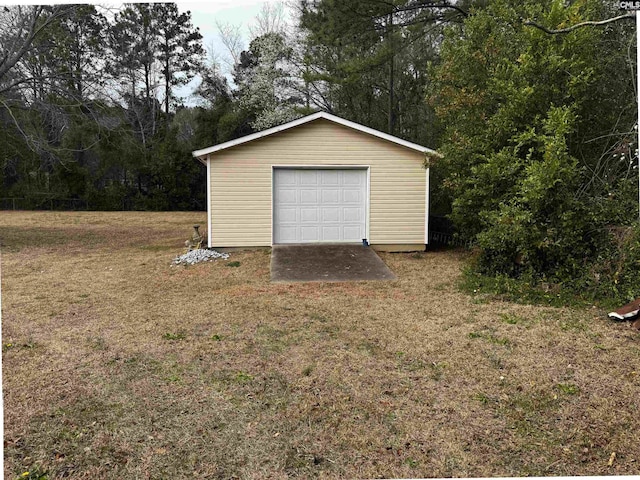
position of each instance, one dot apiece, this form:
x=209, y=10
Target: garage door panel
x=330, y=177
x=287, y=177
x=352, y=177
x=287, y=215
x=288, y=234
x=354, y=231
x=309, y=215
x=351, y=215
x=286, y=196
x=331, y=214
x=308, y=177
x=330, y=196
x=352, y=196
x=308, y=196
x=331, y=233
x=309, y=234
x=321, y=205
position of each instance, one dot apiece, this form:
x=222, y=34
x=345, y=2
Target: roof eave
x=200, y=154
x=201, y=158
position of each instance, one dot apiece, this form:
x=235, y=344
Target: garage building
x=317, y=179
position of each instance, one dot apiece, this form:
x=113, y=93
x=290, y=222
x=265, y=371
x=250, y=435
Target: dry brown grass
x=117, y=365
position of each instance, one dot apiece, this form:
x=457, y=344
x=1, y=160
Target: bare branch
x=270, y=19
x=535, y=24
x=10, y=58
x=231, y=37
x=26, y=137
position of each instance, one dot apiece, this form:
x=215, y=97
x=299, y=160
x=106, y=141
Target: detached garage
x=317, y=179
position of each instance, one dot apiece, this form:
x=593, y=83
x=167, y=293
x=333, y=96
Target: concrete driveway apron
x=327, y=263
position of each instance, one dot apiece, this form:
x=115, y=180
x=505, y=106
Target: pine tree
x=180, y=50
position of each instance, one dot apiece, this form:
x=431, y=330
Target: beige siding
x=241, y=182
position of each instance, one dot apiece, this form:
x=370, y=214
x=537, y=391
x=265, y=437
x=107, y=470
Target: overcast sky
x=205, y=14
x=236, y=12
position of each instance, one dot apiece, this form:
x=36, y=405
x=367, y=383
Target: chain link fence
x=443, y=234
x=44, y=203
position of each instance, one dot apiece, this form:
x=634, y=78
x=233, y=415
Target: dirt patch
x=119, y=365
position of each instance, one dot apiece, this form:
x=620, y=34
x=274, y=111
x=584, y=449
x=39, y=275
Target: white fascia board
x=309, y=118
x=378, y=133
x=255, y=136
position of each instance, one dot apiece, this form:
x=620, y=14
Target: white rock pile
x=199, y=255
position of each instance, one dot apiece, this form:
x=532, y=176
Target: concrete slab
x=327, y=263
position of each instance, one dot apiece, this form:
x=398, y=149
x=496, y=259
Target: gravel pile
x=199, y=255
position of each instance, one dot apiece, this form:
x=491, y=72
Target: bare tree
x=231, y=37
x=20, y=26
x=212, y=58
x=271, y=19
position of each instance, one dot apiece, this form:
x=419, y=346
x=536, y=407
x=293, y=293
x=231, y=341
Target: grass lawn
x=119, y=365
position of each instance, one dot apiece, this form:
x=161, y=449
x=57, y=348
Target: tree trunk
x=167, y=78
x=307, y=93
x=166, y=96
x=147, y=81
x=392, y=115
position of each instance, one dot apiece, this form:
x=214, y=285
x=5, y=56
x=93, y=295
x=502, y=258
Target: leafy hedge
x=537, y=151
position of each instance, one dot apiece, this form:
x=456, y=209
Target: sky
x=205, y=14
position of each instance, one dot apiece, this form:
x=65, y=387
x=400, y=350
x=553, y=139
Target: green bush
x=536, y=149
x=610, y=277
x=538, y=229
x=614, y=273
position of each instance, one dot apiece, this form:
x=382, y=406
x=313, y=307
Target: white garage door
x=320, y=205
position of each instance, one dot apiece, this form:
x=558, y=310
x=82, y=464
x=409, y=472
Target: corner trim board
x=426, y=208
x=209, y=226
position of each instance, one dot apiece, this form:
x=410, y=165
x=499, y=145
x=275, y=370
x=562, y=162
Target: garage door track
x=327, y=263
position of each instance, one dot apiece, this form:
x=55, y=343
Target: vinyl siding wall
x=240, y=182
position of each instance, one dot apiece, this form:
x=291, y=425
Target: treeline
x=533, y=112
x=89, y=114
x=88, y=111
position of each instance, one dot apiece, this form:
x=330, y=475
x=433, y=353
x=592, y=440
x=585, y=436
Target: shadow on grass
x=15, y=239
x=484, y=289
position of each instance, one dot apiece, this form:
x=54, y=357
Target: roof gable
x=200, y=154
